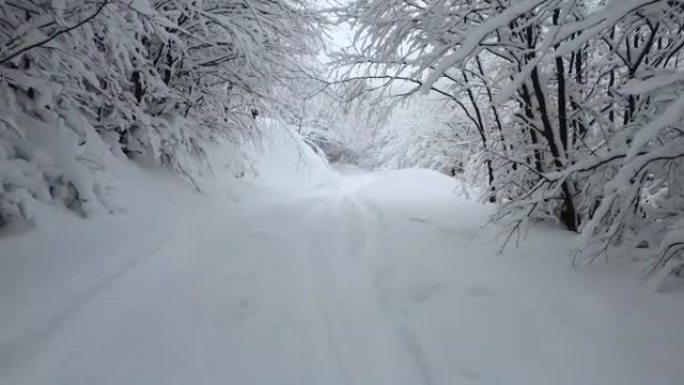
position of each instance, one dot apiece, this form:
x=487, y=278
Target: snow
x=652, y=83
x=351, y=278
x=288, y=163
x=670, y=117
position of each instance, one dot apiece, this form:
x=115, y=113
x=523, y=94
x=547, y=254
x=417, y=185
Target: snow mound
x=409, y=184
x=285, y=161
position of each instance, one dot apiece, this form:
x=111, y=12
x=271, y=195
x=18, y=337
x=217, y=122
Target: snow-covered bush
x=421, y=133
x=578, y=106
x=149, y=80
x=315, y=110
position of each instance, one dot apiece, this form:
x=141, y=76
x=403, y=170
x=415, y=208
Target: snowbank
x=413, y=184
x=284, y=161
x=50, y=267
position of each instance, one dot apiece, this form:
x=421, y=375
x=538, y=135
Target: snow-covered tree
x=146, y=79
x=578, y=104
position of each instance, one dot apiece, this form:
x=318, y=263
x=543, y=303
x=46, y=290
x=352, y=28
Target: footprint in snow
x=421, y=292
x=469, y=374
x=480, y=291
x=243, y=309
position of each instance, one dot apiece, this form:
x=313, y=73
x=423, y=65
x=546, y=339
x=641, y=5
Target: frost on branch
x=577, y=106
x=147, y=80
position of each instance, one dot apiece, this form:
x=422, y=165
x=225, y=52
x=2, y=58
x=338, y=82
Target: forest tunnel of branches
x=561, y=111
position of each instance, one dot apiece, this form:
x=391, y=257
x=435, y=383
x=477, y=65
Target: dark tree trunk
x=568, y=215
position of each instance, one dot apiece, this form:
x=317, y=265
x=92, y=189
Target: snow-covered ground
x=356, y=279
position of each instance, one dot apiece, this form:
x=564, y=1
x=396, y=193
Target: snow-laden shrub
x=578, y=106
x=421, y=133
x=148, y=80
x=285, y=160
x=48, y=152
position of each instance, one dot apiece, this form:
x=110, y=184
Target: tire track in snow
x=332, y=340
x=367, y=345
x=409, y=341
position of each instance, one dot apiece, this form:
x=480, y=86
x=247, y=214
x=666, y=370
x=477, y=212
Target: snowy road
x=378, y=281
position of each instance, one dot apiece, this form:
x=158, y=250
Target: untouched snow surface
x=364, y=279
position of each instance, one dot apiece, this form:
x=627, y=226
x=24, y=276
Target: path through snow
x=378, y=280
